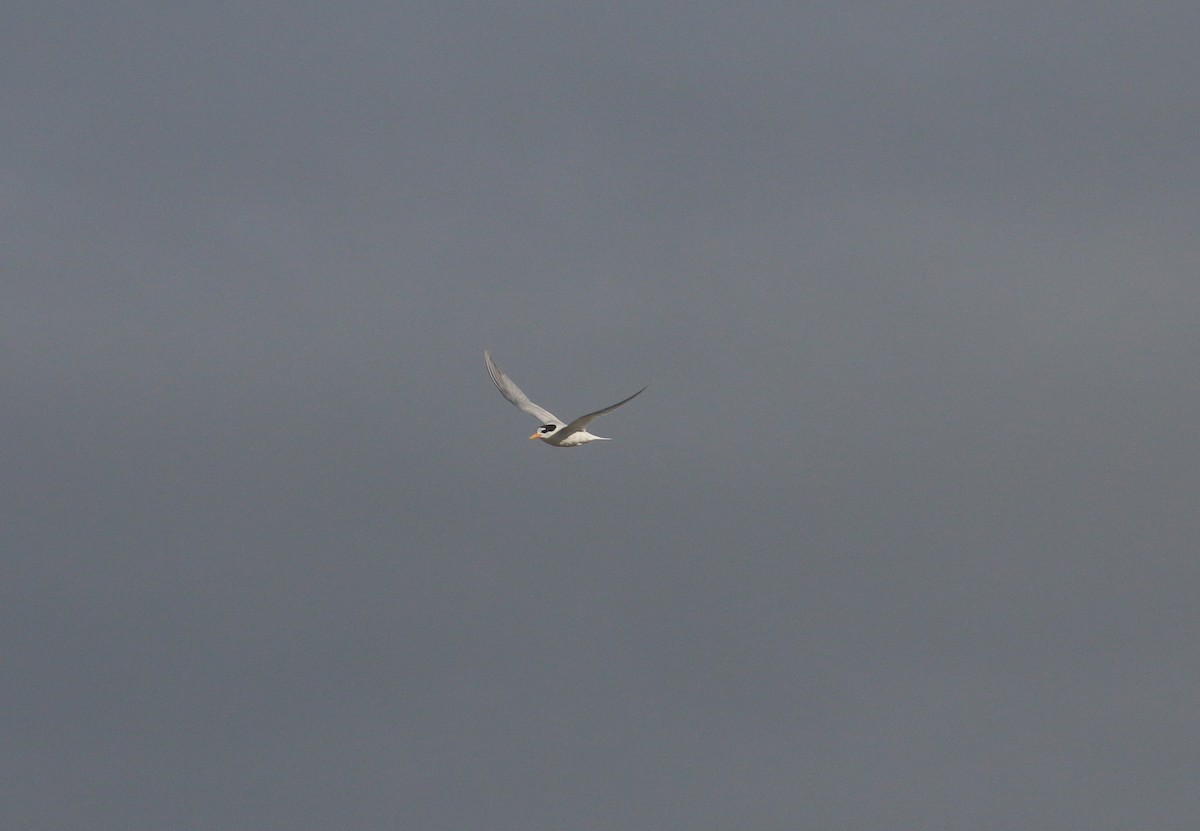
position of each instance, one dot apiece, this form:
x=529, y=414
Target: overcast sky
x=902, y=536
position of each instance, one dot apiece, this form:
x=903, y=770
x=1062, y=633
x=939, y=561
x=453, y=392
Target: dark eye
x=548, y=428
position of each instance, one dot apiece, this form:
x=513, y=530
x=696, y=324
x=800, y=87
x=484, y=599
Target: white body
x=571, y=440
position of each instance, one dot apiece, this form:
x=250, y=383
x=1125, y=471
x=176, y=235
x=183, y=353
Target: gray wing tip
x=494, y=372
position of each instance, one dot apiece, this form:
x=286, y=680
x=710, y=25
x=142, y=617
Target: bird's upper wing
x=584, y=420
x=519, y=399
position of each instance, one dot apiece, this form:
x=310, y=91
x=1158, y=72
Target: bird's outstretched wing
x=519, y=399
x=584, y=420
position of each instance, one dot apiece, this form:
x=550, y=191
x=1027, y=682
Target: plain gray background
x=902, y=536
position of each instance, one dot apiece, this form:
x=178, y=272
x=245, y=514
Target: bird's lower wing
x=584, y=420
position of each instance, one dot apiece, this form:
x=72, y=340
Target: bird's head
x=545, y=431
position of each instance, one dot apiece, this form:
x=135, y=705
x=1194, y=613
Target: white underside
x=573, y=440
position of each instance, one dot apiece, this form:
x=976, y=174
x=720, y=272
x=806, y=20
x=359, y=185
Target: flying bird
x=553, y=430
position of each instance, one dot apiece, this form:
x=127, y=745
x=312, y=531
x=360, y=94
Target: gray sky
x=902, y=536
